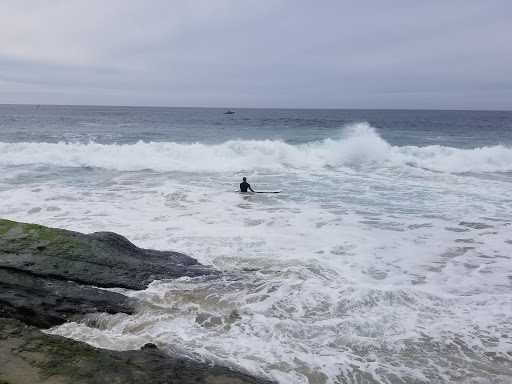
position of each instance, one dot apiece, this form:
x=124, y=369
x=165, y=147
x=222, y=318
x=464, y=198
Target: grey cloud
x=332, y=54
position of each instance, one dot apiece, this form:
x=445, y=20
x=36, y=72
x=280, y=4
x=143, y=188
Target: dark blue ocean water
x=126, y=125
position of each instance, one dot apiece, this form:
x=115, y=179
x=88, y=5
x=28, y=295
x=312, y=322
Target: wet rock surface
x=50, y=276
x=45, y=302
x=30, y=356
x=102, y=259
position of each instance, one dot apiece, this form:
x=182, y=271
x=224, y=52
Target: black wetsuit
x=244, y=186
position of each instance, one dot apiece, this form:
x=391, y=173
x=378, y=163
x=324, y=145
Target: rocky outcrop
x=45, y=302
x=102, y=259
x=49, y=276
x=30, y=356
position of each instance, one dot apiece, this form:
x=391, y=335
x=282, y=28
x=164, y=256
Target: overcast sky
x=437, y=54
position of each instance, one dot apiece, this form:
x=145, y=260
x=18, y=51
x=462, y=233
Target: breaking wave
x=358, y=143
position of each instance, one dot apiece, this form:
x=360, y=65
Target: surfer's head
x=244, y=178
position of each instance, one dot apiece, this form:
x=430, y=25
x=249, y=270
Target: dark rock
x=30, y=356
x=45, y=302
x=102, y=259
x=149, y=346
x=50, y=276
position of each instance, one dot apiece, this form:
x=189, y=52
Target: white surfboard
x=249, y=192
x=268, y=191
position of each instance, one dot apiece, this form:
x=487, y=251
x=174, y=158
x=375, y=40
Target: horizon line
x=232, y=108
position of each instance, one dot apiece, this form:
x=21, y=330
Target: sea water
x=386, y=258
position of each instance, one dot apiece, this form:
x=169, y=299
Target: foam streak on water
x=378, y=263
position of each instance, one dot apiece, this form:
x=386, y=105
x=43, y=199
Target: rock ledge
x=50, y=276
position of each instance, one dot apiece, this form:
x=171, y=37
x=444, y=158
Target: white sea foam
x=367, y=264
x=358, y=144
x=311, y=288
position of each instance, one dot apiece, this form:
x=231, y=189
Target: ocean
x=386, y=258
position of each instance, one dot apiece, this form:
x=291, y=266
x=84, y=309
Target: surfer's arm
x=252, y=190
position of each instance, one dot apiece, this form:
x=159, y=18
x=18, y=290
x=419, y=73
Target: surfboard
x=251, y=193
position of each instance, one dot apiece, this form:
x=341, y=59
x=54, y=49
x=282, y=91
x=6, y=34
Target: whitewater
x=385, y=259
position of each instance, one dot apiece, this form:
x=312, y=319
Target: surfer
x=245, y=185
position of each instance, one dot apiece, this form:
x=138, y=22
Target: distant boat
x=228, y=112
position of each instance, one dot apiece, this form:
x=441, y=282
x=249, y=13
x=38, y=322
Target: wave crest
x=357, y=144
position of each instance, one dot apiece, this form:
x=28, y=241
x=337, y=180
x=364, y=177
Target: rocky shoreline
x=50, y=276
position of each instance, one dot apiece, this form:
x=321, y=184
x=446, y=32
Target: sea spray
x=359, y=144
